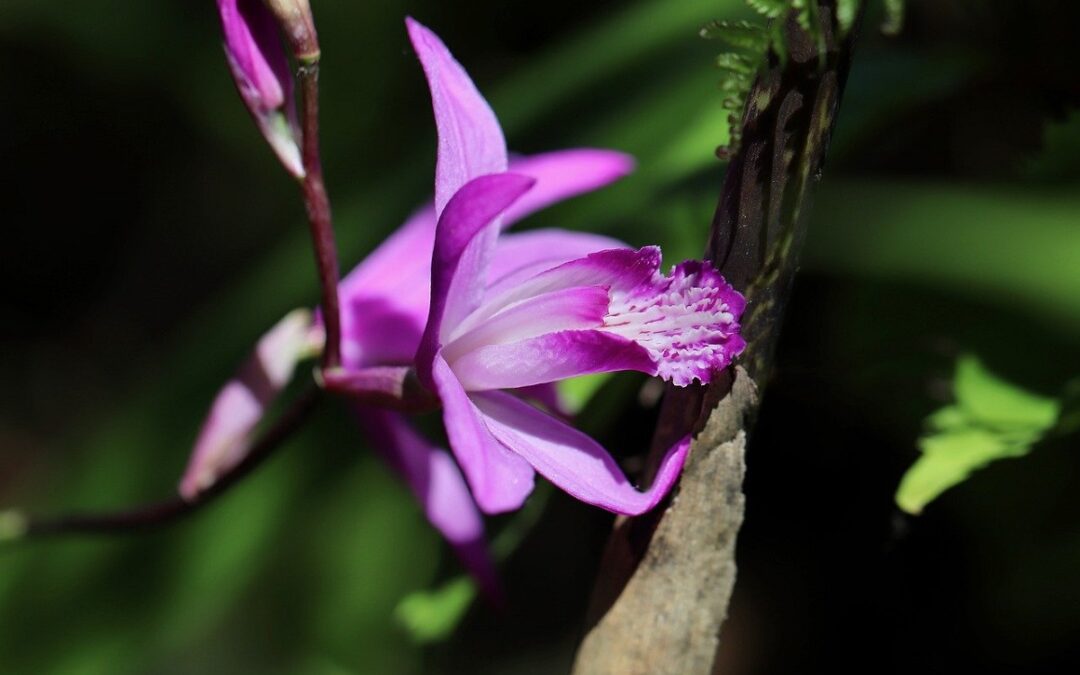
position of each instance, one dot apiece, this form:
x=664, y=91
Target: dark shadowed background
x=150, y=238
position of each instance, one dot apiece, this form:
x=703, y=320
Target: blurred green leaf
x=577, y=391
x=992, y=420
x=991, y=401
x=431, y=616
x=1016, y=248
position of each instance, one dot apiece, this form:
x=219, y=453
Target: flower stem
x=317, y=204
x=169, y=510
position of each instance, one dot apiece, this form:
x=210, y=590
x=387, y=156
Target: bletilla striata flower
x=497, y=326
x=260, y=68
x=384, y=303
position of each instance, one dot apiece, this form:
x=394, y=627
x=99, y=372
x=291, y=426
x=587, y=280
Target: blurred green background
x=150, y=238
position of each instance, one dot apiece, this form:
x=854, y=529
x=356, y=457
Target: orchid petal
x=463, y=241
x=522, y=256
x=226, y=434
x=572, y=460
x=566, y=309
x=565, y=173
x=438, y=485
x=471, y=142
x=549, y=358
x=384, y=299
x=622, y=267
x=500, y=480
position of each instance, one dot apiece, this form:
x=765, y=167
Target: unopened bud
x=260, y=68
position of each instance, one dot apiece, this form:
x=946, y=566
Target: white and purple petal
x=573, y=461
x=687, y=324
x=687, y=321
x=519, y=257
x=550, y=358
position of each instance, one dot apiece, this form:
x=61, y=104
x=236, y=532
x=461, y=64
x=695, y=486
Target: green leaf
x=948, y=458
x=992, y=420
x=997, y=404
x=577, y=391
x=430, y=616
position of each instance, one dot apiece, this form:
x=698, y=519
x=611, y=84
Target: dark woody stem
x=171, y=510
x=317, y=204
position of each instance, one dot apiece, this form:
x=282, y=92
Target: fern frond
x=737, y=63
x=738, y=34
x=769, y=8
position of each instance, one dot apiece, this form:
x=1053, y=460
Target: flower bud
x=260, y=68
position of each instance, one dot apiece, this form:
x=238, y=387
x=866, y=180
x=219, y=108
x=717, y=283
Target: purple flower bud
x=260, y=67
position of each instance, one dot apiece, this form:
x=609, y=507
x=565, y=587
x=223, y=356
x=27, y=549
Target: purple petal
x=567, y=309
x=572, y=460
x=566, y=173
x=239, y=407
x=463, y=241
x=384, y=299
x=621, y=267
x=500, y=480
x=438, y=485
x=549, y=358
x=518, y=257
x=471, y=142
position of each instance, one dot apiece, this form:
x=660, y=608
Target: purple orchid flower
x=260, y=68
x=384, y=303
x=544, y=321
